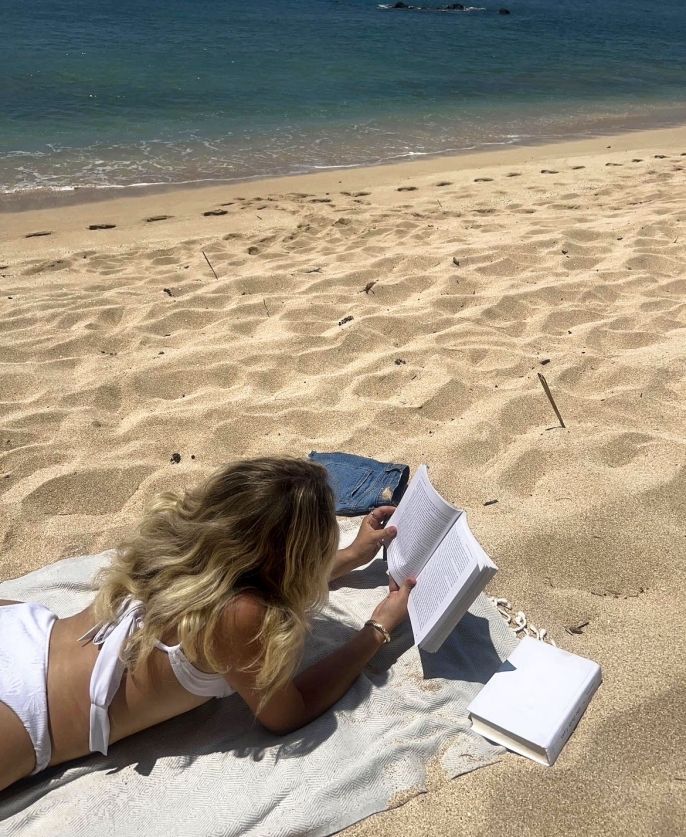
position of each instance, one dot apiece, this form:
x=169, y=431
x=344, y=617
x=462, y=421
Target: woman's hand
x=392, y=611
x=372, y=535
x=370, y=538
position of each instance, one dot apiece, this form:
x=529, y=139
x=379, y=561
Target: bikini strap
x=108, y=671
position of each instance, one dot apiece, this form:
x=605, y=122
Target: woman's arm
x=318, y=687
x=371, y=537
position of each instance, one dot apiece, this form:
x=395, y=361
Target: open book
x=435, y=546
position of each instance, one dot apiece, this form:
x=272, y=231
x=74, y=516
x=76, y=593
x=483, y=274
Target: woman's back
x=149, y=694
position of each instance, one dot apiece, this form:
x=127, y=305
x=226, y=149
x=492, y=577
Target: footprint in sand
x=321, y=200
x=406, y=189
x=576, y=168
x=101, y=226
x=637, y=160
x=361, y=194
x=228, y=203
x=36, y=234
x=514, y=174
x=253, y=251
x=483, y=179
x=660, y=156
x=549, y=171
x=215, y=212
x=614, y=164
x=153, y=218
x=444, y=183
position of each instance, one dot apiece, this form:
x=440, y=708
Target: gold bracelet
x=380, y=628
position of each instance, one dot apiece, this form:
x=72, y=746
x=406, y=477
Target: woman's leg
x=17, y=756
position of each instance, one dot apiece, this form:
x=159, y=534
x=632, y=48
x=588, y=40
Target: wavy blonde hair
x=266, y=525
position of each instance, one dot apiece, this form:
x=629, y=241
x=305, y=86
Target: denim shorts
x=362, y=484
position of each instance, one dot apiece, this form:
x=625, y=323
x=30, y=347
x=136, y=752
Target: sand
x=401, y=312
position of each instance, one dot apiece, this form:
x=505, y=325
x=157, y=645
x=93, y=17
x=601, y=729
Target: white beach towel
x=213, y=772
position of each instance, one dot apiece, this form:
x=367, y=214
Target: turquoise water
x=166, y=91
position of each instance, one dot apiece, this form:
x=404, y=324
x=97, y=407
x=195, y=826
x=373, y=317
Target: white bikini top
x=109, y=670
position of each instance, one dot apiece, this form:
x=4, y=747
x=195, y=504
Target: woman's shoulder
x=243, y=616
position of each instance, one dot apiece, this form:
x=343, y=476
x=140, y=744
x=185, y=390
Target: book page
x=451, y=568
x=422, y=519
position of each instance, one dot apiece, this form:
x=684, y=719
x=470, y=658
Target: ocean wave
x=159, y=164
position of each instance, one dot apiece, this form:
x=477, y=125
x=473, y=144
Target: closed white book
x=535, y=699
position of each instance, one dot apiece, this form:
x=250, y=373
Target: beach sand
x=400, y=312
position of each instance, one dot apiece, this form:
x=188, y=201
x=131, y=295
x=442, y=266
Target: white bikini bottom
x=24, y=642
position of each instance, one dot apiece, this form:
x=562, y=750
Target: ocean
x=141, y=92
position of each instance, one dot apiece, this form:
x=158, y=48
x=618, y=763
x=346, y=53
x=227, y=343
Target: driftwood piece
x=210, y=264
x=547, y=391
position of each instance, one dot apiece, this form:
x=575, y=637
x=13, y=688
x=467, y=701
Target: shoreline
x=430, y=163
x=657, y=116
x=245, y=206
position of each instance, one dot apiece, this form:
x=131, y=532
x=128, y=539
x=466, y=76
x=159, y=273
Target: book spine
x=574, y=716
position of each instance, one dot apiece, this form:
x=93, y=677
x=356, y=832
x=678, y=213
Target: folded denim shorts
x=361, y=484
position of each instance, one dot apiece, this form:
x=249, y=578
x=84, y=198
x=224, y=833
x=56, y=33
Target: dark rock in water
x=453, y=7
x=400, y=6
x=504, y=11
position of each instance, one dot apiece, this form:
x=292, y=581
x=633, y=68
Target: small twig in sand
x=368, y=287
x=210, y=264
x=264, y=302
x=577, y=628
x=547, y=391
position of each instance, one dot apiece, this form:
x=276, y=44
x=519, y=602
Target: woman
x=210, y=596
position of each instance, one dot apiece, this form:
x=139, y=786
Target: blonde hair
x=266, y=525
